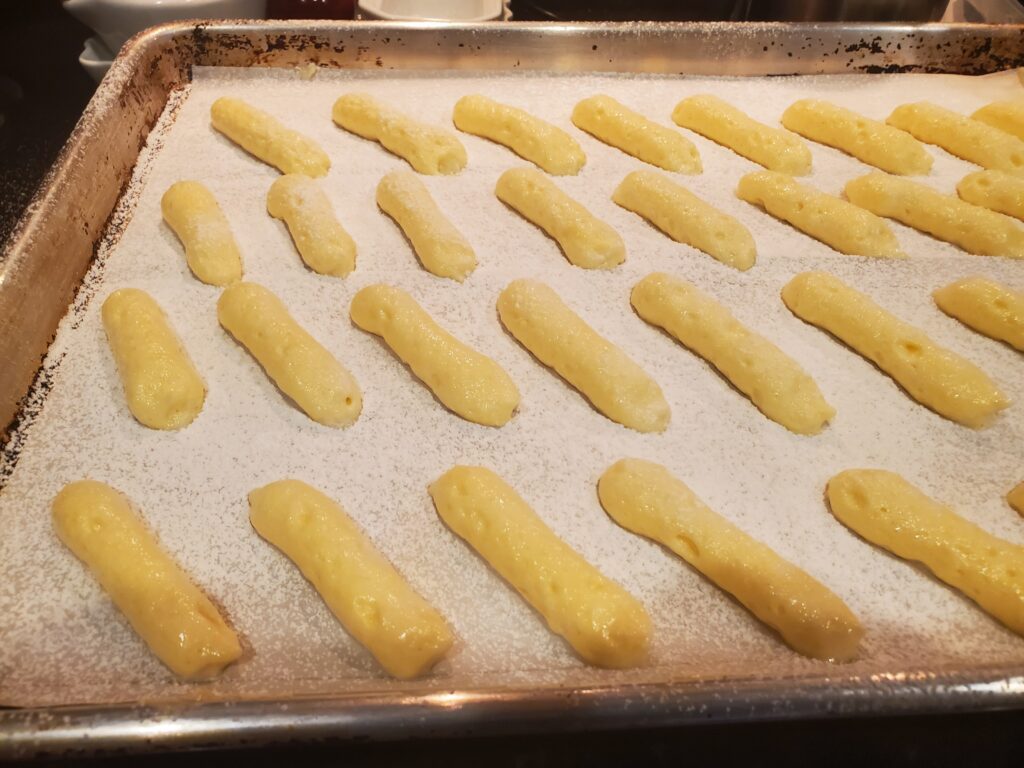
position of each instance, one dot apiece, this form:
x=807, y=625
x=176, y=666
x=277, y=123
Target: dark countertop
x=40, y=52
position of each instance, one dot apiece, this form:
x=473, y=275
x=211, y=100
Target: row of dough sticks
x=165, y=391
x=600, y=620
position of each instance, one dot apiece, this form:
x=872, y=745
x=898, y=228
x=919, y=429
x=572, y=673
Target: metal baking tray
x=44, y=261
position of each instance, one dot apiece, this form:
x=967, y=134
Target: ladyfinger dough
x=262, y=136
x=467, y=382
x=616, y=125
x=1007, y=116
x=870, y=141
x=1015, y=498
x=969, y=139
x=321, y=241
x=937, y=378
x=561, y=339
x=162, y=386
x=585, y=240
x=297, y=363
x=773, y=381
x=645, y=498
x=533, y=139
x=371, y=599
x=603, y=623
x=191, y=210
x=976, y=230
x=994, y=190
x=835, y=222
x=686, y=218
x=441, y=249
x=774, y=148
x=888, y=511
x=427, y=148
x=986, y=306
x=170, y=613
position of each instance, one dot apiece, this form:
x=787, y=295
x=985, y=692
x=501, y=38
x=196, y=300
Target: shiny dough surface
x=889, y=511
x=686, y=218
x=619, y=126
x=986, y=306
x=773, y=381
x=469, y=383
x=603, y=623
x=263, y=136
x=303, y=369
x=774, y=148
x=934, y=376
x=427, y=148
x=441, y=248
x=601, y=371
x=832, y=220
x=585, y=240
x=533, y=139
x=647, y=499
x=870, y=141
x=368, y=595
x=168, y=611
x=976, y=230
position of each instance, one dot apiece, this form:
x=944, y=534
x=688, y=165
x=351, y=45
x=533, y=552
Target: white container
x=117, y=20
x=463, y=11
x=96, y=58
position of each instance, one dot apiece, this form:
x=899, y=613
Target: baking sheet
x=63, y=642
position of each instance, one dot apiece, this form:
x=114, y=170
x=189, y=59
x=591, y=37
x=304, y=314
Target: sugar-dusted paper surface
x=62, y=641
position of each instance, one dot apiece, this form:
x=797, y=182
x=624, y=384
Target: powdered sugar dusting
x=64, y=642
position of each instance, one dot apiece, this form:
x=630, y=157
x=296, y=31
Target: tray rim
x=396, y=713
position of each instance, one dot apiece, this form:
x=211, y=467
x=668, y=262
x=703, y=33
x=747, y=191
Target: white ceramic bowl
x=96, y=58
x=465, y=11
x=117, y=20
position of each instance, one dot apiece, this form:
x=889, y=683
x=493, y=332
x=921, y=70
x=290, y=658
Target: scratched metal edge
x=127, y=103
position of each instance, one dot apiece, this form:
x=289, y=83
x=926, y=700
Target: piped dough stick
x=888, y=511
x=262, y=136
x=987, y=307
x=615, y=124
x=602, y=372
x=937, y=378
x=585, y=240
x=170, y=613
x=994, y=190
x=321, y=241
x=427, y=148
x=835, y=222
x=162, y=386
x=645, y=498
x=533, y=139
x=371, y=599
x=976, y=230
x=441, y=249
x=773, y=381
x=603, y=623
x=1007, y=116
x=774, y=148
x=686, y=218
x=870, y=141
x=191, y=210
x=969, y=139
x=297, y=363
x=467, y=382
x=1015, y=498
